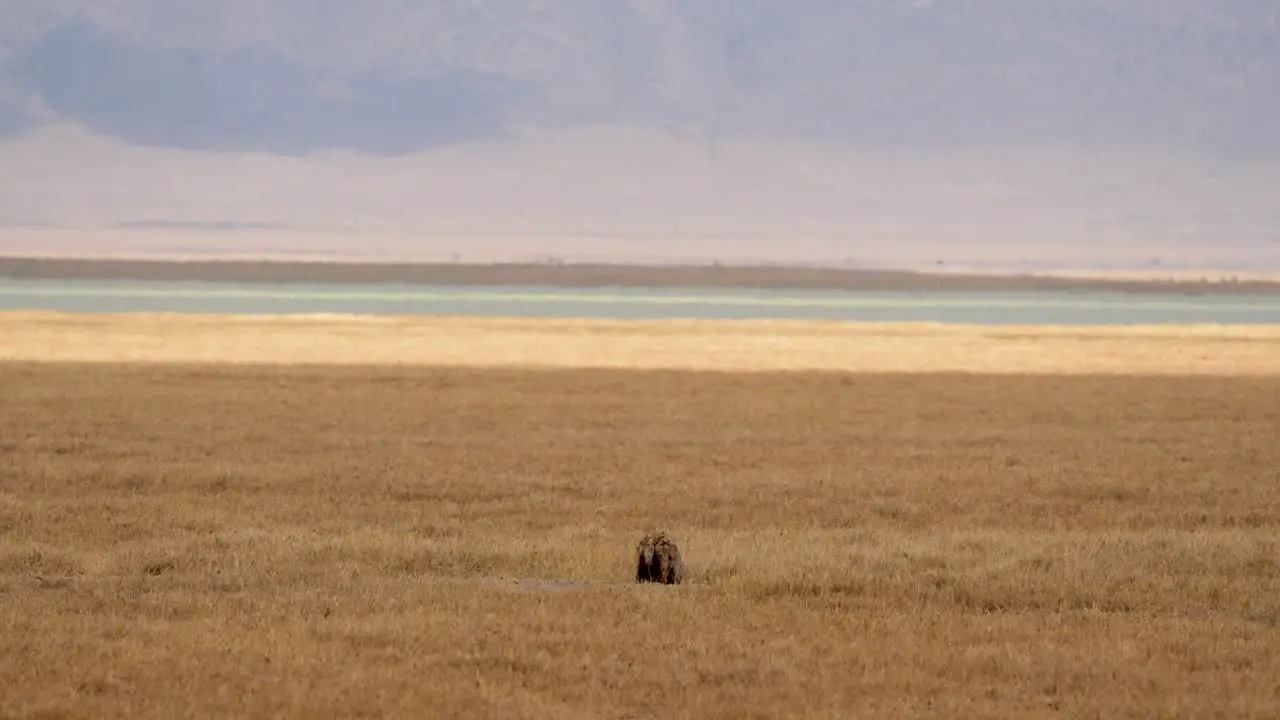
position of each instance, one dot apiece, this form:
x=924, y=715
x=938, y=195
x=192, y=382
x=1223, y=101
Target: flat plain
x=444, y=539
x=708, y=345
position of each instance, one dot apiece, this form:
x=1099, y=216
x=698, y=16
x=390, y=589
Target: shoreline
x=773, y=277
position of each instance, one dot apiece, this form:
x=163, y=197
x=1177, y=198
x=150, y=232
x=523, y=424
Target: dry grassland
x=756, y=345
x=217, y=541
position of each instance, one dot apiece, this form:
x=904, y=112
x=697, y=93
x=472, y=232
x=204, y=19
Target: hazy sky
x=938, y=122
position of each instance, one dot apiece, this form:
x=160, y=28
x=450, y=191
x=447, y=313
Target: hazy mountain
x=250, y=98
x=12, y=117
x=389, y=76
x=1002, y=132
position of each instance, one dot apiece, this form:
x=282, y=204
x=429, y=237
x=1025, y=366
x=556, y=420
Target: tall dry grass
x=315, y=542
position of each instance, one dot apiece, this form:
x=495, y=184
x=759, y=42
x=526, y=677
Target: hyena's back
x=658, y=559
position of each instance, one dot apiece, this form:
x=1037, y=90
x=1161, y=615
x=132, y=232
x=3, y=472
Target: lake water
x=1051, y=308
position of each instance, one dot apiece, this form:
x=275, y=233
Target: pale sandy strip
x=1156, y=275
x=693, y=344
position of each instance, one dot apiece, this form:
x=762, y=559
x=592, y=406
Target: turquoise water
x=1054, y=308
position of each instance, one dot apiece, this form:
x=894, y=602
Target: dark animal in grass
x=658, y=559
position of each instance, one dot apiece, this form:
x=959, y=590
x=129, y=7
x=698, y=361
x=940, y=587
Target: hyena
x=658, y=559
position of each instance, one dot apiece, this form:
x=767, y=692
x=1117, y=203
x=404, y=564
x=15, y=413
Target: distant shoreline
x=625, y=275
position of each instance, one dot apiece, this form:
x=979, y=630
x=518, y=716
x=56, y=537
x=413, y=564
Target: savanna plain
x=348, y=539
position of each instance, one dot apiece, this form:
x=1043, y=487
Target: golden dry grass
x=187, y=541
x=668, y=344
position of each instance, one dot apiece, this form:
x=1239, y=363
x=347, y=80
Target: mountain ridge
x=391, y=77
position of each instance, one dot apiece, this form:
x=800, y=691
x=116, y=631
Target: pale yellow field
x=677, y=344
